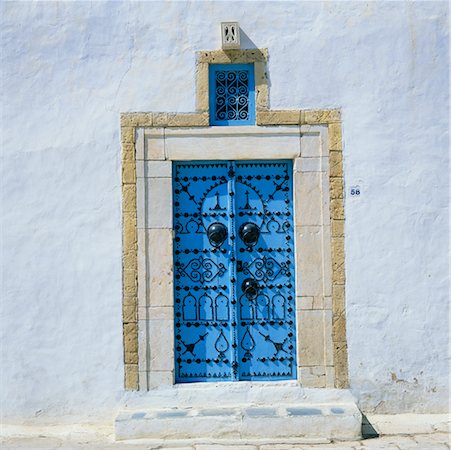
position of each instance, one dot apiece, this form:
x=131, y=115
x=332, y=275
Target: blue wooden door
x=234, y=271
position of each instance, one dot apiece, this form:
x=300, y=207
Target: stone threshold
x=226, y=444
x=255, y=412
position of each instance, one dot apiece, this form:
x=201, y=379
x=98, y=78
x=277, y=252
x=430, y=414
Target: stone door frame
x=312, y=139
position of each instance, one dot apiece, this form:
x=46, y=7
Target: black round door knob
x=250, y=288
x=249, y=233
x=217, y=234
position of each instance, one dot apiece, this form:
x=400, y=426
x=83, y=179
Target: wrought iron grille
x=234, y=271
x=232, y=94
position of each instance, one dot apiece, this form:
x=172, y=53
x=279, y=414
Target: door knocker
x=249, y=233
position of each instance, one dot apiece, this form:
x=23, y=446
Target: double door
x=234, y=271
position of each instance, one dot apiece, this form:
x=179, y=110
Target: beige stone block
x=324, y=161
x=307, y=198
x=189, y=120
x=341, y=377
x=144, y=119
x=310, y=145
x=328, y=303
x=214, y=56
x=161, y=313
x=126, y=120
x=261, y=86
x=318, y=302
x=160, y=267
x=128, y=172
x=131, y=335
x=304, y=303
x=312, y=164
x=129, y=260
x=160, y=119
x=161, y=343
x=158, y=169
x=233, y=56
x=128, y=198
x=330, y=377
x=309, y=268
x=128, y=135
x=139, y=144
x=297, y=165
x=129, y=233
x=338, y=294
x=334, y=138
x=131, y=343
x=130, y=278
x=338, y=228
x=322, y=116
x=283, y=117
x=142, y=344
x=129, y=313
x=327, y=262
x=136, y=119
x=328, y=342
x=311, y=345
x=130, y=300
x=338, y=275
x=302, y=117
x=336, y=187
x=339, y=328
x=202, y=101
x=312, y=377
x=141, y=203
x=131, y=357
x=262, y=95
x=341, y=365
x=336, y=164
x=340, y=348
x=325, y=189
x=338, y=297
x=143, y=313
x=128, y=152
x=158, y=202
x=142, y=268
x=250, y=55
x=154, y=145
x=318, y=370
x=131, y=376
x=337, y=209
x=338, y=251
x=142, y=380
x=140, y=168
x=160, y=378
x=234, y=142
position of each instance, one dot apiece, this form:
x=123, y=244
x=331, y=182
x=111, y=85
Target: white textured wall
x=69, y=69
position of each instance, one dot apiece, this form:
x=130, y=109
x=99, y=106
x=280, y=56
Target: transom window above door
x=232, y=94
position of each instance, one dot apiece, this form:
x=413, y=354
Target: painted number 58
x=355, y=191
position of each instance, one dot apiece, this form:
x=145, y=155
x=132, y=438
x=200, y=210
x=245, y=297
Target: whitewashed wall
x=69, y=69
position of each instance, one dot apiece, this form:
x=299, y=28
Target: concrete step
x=181, y=414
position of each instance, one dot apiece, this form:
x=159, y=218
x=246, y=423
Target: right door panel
x=265, y=270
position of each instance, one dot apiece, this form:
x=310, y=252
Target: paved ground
x=435, y=441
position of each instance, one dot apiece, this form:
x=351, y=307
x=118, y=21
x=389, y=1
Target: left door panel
x=202, y=260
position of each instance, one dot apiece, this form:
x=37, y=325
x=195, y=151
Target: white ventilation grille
x=230, y=34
